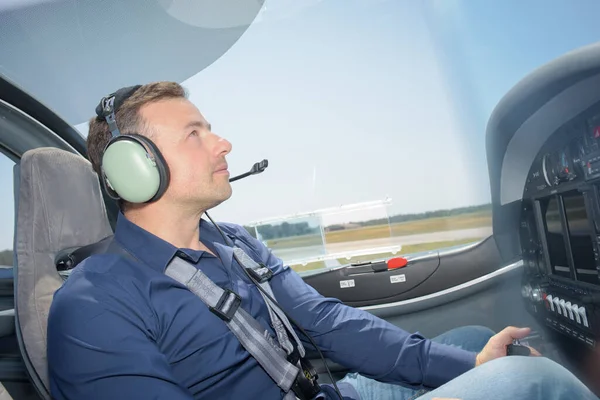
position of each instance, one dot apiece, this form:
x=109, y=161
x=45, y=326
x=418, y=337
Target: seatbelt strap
x=226, y=304
x=262, y=274
x=65, y=260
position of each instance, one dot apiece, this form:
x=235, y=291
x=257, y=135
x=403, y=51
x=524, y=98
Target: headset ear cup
x=161, y=165
x=129, y=166
x=107, y=187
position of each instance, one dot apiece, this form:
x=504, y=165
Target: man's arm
x=99, y=349
x=359, y=340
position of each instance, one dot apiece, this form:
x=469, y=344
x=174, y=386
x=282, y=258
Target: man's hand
x=496, y=346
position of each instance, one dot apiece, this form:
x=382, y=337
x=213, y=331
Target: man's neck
x=180, y=228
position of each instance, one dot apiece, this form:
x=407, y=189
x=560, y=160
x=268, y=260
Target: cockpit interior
x=539, y=268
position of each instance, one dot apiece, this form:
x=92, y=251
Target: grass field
x=295, y=241
x=408, y=249
x=429, y=225
x=462, y=221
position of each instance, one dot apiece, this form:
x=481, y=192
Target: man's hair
x=129, y=119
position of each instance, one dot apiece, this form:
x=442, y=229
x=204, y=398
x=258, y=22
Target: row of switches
x=565, y=308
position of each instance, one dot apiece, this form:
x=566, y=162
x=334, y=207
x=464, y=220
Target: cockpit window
x=7, y=211
x=372, y=114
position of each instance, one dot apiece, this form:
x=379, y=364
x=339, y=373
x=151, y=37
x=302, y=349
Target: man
x=121, y=328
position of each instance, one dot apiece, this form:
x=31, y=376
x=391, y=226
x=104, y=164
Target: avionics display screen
x=557, y=250
x=580, y=236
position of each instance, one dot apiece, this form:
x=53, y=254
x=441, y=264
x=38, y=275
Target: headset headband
x=109, y=105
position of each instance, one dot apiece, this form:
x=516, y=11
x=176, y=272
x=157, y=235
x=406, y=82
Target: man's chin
x=226, y=191
x=225, y=198
x=221, y=197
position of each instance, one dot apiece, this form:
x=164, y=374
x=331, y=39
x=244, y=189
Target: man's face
x=194, y=154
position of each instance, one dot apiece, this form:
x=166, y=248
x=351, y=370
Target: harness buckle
x=294, y=356
x=260, y=274
x=227, y=305
x=306, y=385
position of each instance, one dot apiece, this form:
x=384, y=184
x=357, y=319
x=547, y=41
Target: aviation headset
x=132, y=167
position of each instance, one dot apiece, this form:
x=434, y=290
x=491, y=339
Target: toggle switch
x=563, y=308
x=569, y=310
x=557, y=304
x=549, y=298
x=583, y=316
x=575, y=309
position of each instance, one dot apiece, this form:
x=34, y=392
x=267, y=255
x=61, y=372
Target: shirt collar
x=156, y=252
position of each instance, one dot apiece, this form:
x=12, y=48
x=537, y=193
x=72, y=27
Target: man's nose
x=223, y=146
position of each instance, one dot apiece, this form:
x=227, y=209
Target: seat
x=4, y=395
x=59, y=205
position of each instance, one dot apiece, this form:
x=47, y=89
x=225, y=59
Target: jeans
x=506, y=378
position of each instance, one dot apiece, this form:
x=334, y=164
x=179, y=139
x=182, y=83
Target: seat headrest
x=59, y=205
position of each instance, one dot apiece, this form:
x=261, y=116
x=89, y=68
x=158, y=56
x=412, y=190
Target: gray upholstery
x=59, y=205
x=4, y=395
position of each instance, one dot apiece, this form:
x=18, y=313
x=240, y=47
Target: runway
x=441, y=236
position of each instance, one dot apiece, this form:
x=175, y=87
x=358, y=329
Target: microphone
x=257, y=168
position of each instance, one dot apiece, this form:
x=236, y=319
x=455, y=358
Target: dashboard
x=560, y=230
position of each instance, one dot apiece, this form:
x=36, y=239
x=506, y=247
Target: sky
x=355, y=100
x=359, y=100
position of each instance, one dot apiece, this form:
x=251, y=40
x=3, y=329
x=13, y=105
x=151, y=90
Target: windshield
x=371, y=113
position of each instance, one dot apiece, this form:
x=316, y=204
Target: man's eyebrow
x=199, y=124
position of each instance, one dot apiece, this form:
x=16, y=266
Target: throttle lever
x=517, y=349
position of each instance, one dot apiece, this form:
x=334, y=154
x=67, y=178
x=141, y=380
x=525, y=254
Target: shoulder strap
x=65, y=260
x=70, y=257
x=262, y=274
x=226, y=305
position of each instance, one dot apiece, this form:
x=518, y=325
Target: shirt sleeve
x=360, y=340
x=100, y=348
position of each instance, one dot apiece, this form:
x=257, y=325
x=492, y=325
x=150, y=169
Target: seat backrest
x=59, y=205
x=4, y=395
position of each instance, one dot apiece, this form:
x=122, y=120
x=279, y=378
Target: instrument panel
x=560, y=231
x=575, y=154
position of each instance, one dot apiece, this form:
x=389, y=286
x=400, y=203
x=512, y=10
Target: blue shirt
x=119, y=328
